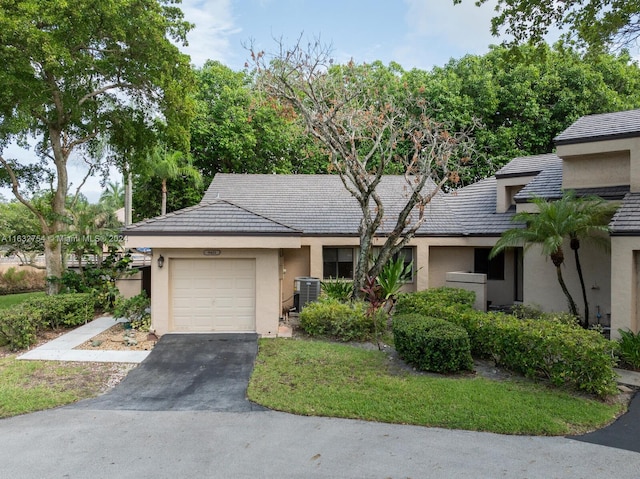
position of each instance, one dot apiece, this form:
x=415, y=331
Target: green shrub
x=528, y=311
x=432, y=344
x=135, y=310
x=19, y=325
x=552, y=345
x=629, y=349
x=62, y=310
x=429, y=300
x=341, y=321
x=336, y=289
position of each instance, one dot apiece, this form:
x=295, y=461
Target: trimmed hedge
x=563, y=353
x=341, y=321
x=19, y=325
x=432, y=344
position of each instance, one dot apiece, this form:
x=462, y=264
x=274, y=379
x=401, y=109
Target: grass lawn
x=318, y=378
x=9, y=300
x=28, y=386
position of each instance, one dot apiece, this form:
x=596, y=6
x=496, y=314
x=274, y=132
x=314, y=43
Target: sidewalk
x=61, y=349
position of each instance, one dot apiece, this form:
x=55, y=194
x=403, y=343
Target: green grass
x=317, y=378
x=10, y=300
x=28, y=386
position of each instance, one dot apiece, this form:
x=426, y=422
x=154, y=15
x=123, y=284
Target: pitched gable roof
x=218, y=217
x=320, y=204
x=605, y=126
x=527, y=165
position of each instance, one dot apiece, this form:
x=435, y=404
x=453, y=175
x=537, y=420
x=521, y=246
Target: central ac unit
x=305, y=291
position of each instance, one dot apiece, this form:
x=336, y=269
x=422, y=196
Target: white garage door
x=211, y=295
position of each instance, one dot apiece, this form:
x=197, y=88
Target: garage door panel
x=211, y=295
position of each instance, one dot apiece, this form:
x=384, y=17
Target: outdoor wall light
x=160, y=261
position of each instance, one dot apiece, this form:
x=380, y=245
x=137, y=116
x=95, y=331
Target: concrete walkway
x=61, y=349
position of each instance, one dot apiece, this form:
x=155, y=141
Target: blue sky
x=414, y=33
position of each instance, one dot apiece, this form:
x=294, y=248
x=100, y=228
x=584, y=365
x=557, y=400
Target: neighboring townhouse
x=230, y=262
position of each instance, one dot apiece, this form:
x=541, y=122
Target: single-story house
x=229, y=263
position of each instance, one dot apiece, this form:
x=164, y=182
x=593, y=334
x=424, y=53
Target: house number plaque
x=211, y=252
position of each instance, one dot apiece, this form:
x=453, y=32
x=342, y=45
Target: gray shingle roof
x=475, y=207
x=626, y=221
x=548, y=184
x=320, y=205
x=217, y=217
x=624, y=124
x=527, y=165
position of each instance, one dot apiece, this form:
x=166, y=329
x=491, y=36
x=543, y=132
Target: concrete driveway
x=188, y=372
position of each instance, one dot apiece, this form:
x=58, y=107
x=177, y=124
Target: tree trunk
x=362, y=266
x=585, y=324
x=572, y=304
x=164, y=197
x=53, y=259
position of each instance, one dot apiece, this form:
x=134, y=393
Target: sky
x=414, y=33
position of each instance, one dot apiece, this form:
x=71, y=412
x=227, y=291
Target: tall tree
x=597, y=24
x=236, y=130
x=523, y=101
x=364, y=132
x=78, y=75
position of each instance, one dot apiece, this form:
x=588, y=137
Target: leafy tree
x=609, y=24
x=78, y=75
x=555, y=221
x=237, y=131
x=146, y=201
x=365, y=132
x=523, y=101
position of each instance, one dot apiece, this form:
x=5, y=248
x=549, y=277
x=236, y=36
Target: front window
x=337, y=263
x=493, y=268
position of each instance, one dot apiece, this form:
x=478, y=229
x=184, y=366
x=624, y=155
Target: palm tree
x=547, y=228
x=592, y=217
x=569, y=217
x=169, y=166
x=113, y=196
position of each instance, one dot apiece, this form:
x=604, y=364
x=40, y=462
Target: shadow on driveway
x=188, y=372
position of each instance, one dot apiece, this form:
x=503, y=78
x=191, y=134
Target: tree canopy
x=95, y=80
x=596, y=24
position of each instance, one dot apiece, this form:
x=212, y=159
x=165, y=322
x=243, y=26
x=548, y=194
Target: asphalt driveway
x=188, y=372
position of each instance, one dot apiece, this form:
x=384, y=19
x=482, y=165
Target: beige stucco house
x=229, y=263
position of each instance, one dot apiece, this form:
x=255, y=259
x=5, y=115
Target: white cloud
x=438, y=31
x=214, y=25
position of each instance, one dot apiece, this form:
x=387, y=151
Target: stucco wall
x=295, y=263
x=444, y=259
x=267, y=285
x=625, y=263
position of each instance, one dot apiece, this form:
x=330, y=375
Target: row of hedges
x=563, y=353
x=21, y=281
x=19, y=325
